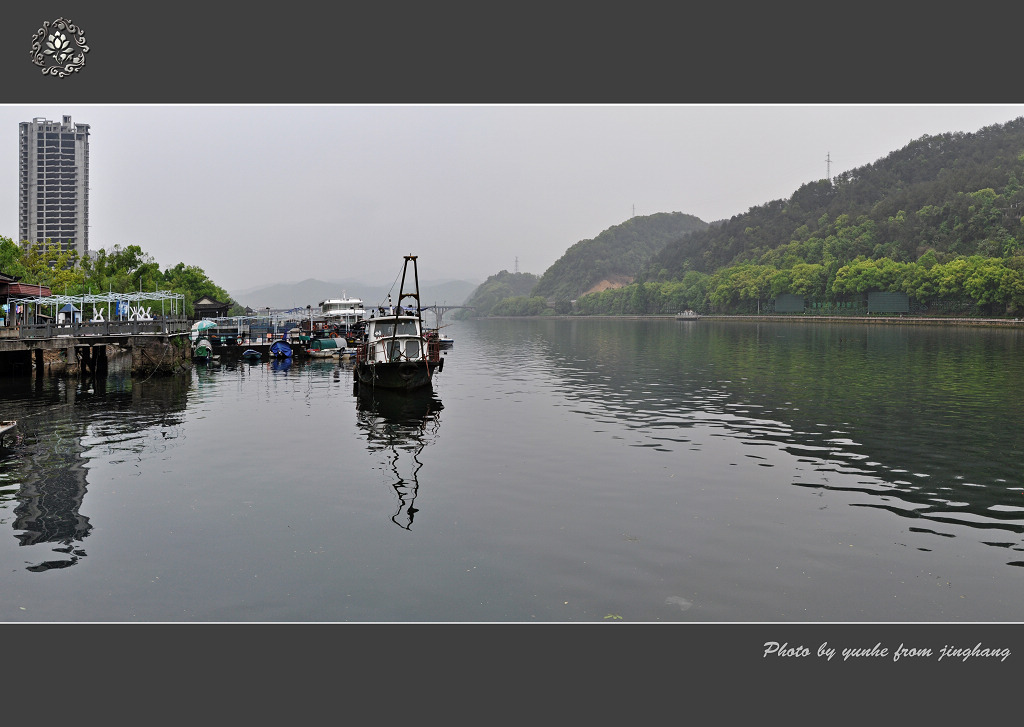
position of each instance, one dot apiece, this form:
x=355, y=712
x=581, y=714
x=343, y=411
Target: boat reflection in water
x=399, y=424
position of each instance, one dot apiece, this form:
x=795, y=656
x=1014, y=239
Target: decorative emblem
x=59, y=48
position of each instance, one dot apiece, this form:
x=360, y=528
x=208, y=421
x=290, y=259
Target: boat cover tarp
x=281, y=349
x=323, y=344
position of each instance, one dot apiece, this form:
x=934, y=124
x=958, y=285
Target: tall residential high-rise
x=53, y=184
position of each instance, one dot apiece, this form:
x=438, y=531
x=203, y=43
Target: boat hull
x=402, y=375
x=397, y=407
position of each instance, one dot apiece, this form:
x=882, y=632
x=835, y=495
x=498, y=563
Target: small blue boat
x=280, y=349
x=202, y=350
x=251, y=354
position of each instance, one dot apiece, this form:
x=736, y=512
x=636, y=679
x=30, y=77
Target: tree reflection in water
x=400, y=424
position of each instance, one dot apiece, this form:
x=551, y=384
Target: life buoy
x=239, y=340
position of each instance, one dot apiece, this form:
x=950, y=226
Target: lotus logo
x=59, y=48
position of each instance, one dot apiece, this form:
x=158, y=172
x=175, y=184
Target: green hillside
x=504, y=285
x=955, y=193
x=939, y=220
x=617, y=254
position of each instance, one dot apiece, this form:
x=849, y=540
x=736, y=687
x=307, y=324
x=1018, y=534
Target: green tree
x=192, y=282
x=807, y=279
x=46, y=264
x=10, y=258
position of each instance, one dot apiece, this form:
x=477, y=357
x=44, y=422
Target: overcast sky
x=259, y=194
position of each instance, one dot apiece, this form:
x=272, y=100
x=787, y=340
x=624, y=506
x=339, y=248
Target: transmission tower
x=517, y=265
x=828, y=166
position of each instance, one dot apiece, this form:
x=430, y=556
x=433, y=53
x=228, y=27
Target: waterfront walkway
x=84, y=343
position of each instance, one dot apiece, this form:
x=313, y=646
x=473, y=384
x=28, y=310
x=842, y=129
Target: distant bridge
x=440, y=310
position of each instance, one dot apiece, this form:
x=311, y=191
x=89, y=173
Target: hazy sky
x=258, y=194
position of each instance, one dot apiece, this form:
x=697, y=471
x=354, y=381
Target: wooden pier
x=160, y=344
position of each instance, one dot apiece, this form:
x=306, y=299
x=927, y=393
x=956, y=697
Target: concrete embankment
x=877, y=320
x=796, y=318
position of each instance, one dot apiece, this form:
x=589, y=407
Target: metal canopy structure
x=110, y=306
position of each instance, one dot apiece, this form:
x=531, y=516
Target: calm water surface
x=561, y=470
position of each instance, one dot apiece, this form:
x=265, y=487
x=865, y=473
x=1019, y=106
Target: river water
x=562, y=470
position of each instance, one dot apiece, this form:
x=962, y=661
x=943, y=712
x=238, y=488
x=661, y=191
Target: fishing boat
x=396, y=353
x=280, y=349
x=687, y=315
x=202, y=349
x=251, y=354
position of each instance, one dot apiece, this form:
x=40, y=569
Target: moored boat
x=443, y=341
x=202, y=349
x=687, y=315
x=328, y=347
x=280, y=349
x=345, y=312
x=251, y=354
x=396, y=353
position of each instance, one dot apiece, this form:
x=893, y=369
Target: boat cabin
x=343, y=311
x=394, y=338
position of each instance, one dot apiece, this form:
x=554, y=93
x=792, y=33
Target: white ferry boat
x=344, y=311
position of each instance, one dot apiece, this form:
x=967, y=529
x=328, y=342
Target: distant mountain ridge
x=311, y=291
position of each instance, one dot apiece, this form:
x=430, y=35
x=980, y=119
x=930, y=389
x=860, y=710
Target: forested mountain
x=939, y=220
x=495, y=289
x=616, y=255
x=955, y=193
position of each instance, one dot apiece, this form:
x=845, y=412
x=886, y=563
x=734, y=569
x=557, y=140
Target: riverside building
x=53, y=183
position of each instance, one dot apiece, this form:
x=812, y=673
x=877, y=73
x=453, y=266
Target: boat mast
x=415, y=296
x=402, y=295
